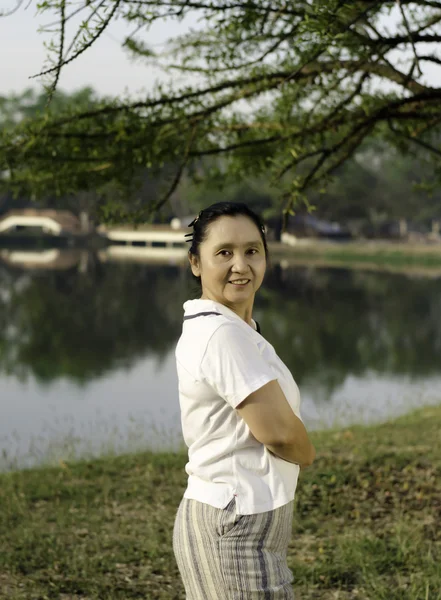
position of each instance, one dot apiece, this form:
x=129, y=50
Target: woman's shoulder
x=194, y=341
x=207, y=334
x=199, y=331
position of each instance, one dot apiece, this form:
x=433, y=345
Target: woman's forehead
x=232, y=229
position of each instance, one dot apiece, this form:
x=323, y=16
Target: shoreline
x=369, y=255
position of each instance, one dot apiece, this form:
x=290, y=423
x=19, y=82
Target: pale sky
x=105, y=67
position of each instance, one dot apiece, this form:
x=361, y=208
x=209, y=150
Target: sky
x=106, y=66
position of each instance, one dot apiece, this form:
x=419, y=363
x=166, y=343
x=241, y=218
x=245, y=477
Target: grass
x=366, y=521
x=379, y=254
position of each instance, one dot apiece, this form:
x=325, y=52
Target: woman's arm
x=302, y=455
x=272, y=421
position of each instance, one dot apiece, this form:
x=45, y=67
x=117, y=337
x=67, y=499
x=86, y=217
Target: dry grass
x=366, y=525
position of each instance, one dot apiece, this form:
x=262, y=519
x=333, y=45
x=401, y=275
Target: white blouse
x=220, y=361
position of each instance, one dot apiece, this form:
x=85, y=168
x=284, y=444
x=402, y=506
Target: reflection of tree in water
x=324, y=323
x=328, y=323
x=81, y=325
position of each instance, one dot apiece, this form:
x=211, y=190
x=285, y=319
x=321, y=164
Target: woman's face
x=231, y=262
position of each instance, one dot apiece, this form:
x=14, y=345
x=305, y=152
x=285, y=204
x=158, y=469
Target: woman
x=240, y=420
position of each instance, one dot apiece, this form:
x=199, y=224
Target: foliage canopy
x=288, y=90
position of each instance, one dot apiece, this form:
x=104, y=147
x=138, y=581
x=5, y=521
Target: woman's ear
x=195, y=265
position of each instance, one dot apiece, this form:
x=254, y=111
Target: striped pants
x=224, y=556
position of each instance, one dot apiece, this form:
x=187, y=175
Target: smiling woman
x=240, y=415
x=230, y=260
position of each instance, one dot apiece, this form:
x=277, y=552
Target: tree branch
x=192, y=5
x=86, y=22
x=412, y=43
x=60, y=51
x=86, y=46
x=418, y=141
x=177, y=177
x=12, y=10
x=430, y=58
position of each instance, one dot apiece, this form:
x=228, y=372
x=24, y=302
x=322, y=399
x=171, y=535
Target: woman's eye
x=228, y=252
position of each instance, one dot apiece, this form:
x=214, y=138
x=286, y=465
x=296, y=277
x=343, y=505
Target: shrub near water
x=366, y=522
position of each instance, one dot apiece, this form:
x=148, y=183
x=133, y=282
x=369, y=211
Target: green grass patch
x=378, y=253
x=366, y=521
x=383, y=257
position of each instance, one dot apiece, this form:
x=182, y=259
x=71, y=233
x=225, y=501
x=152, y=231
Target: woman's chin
x=241, y=294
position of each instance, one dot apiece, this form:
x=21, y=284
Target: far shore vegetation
x=366, y=521
x=363, y=254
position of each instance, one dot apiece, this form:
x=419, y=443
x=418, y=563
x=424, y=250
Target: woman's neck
x=244, y=312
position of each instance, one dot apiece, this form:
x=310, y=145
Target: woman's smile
x=240, y=282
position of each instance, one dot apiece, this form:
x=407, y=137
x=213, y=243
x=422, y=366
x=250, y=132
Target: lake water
x=87, y=350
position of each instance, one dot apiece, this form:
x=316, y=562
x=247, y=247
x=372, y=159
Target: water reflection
x=86, y=338
x=327, y=323
x=82, y=323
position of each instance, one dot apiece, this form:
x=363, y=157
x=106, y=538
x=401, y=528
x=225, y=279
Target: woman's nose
x=240, y=263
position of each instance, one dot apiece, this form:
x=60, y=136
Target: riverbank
x=366, y=521
x=382, y=255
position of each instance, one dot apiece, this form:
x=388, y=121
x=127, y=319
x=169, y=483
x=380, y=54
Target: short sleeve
x=233, y=365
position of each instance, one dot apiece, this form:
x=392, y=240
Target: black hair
x=212, y=213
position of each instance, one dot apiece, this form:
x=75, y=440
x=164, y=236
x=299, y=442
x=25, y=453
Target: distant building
x=55, y=222
x=310, y=226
